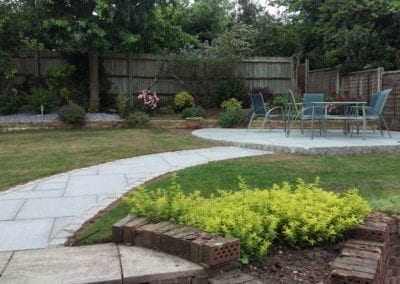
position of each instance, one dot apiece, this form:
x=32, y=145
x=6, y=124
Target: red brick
x=117, y=235
x=339, y=275
x=221, y=250
x=196, y=250
x=360, y=253
x=129, y=229
x=356, y=264
x=174, y=246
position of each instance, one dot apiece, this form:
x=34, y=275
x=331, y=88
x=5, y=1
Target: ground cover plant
x=302, y=216
x=376, y=176
x=28, y=155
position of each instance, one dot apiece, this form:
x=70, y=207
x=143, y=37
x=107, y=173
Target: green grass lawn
x=27, y=155
x=376, y=176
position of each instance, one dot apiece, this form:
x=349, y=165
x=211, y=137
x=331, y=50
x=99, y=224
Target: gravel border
x=31, y=117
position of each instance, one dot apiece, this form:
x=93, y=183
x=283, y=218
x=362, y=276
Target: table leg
x=364, y=120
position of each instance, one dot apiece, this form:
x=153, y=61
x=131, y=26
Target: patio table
x=350, y=111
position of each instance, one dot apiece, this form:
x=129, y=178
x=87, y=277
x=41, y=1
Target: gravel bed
x=31, y=117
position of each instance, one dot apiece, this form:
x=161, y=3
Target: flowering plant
x=340, y=97
x=149, y=100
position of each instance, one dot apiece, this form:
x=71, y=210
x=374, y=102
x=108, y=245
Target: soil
x=286, y=265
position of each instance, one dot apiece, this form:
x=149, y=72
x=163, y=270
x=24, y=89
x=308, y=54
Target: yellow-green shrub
x=183, y=100
x=303, y=216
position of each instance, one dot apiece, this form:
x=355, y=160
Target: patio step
x=104, y=263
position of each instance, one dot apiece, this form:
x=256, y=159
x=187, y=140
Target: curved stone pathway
x=45, y=212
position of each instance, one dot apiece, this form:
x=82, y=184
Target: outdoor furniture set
x=314, y=108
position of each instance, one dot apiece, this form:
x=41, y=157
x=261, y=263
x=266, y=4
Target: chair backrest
x=292, y=102
x=257, y=101
x=380, y=101
x=310, y=98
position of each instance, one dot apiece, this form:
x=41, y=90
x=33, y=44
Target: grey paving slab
x=140, y=265
x=51, y=186
x=89, y=264
x=25, y=194
x=85, y=172
x=59, y=223
x=4, y=258
x=9, y=208
x=97, y=184
x=179, y=160
x=25, y=234
x=56, y=207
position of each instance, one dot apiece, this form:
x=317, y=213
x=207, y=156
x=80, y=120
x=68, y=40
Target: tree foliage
x=348, y=34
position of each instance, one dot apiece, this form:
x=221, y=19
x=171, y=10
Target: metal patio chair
x=309, y=110
x=260, y=111
x=373, y=112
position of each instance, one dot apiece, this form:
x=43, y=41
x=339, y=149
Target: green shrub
x=72, y=114
x=232, y=118
x=42, y=97
x=166, y=110
x=304, y=216
x=138, y=119
x=281, y=100
x=233, y=87
x=231, y=104
x=183, y=100
x=122, y=104
x=9, y=102
x=193, y=112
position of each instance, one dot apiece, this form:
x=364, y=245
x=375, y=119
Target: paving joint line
x=8, y=262
x=19, y=210
x=120, y=264
x=66, y=185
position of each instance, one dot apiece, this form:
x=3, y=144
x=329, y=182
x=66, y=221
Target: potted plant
x=193, y=116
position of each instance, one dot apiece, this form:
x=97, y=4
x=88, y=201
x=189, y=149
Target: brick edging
x=213, y=252
x=372, y=254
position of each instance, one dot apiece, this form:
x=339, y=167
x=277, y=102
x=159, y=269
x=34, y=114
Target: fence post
x=306, y=69
x=36, y=64
x=130, y=79
x=337, y=81
x=379, y=72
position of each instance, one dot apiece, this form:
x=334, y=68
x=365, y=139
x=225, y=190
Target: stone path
x=45, y=212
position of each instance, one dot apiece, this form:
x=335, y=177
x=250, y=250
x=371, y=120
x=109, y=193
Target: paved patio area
x=334, y=143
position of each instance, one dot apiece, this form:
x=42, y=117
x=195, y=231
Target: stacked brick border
x=371, y=255
x=212, y=252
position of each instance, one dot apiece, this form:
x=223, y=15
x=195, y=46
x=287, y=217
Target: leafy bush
x=193, y=112
x=183, y=100
x=232, y=118
x=42, y=97
x=138, y=119
x=233, y=87
x=280, y=100
x=9, y=102
x=72, y=114
x=304, y=216
x=122, y=104
x=231, y=104
x=166, y=110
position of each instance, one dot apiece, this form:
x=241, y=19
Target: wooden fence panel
x=129, y=73
x=361, y=84
x=322, y=81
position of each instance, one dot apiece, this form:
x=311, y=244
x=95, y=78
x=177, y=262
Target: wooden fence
x=129, y=73
x=361, y=84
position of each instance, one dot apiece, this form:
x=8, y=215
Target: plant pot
x=193, y=122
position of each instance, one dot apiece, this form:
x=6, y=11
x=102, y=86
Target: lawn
x=376, y=176
x=27, y=155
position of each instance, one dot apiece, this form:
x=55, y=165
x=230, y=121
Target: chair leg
x=386, y=126
x=264, y=121
x=251, y=120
